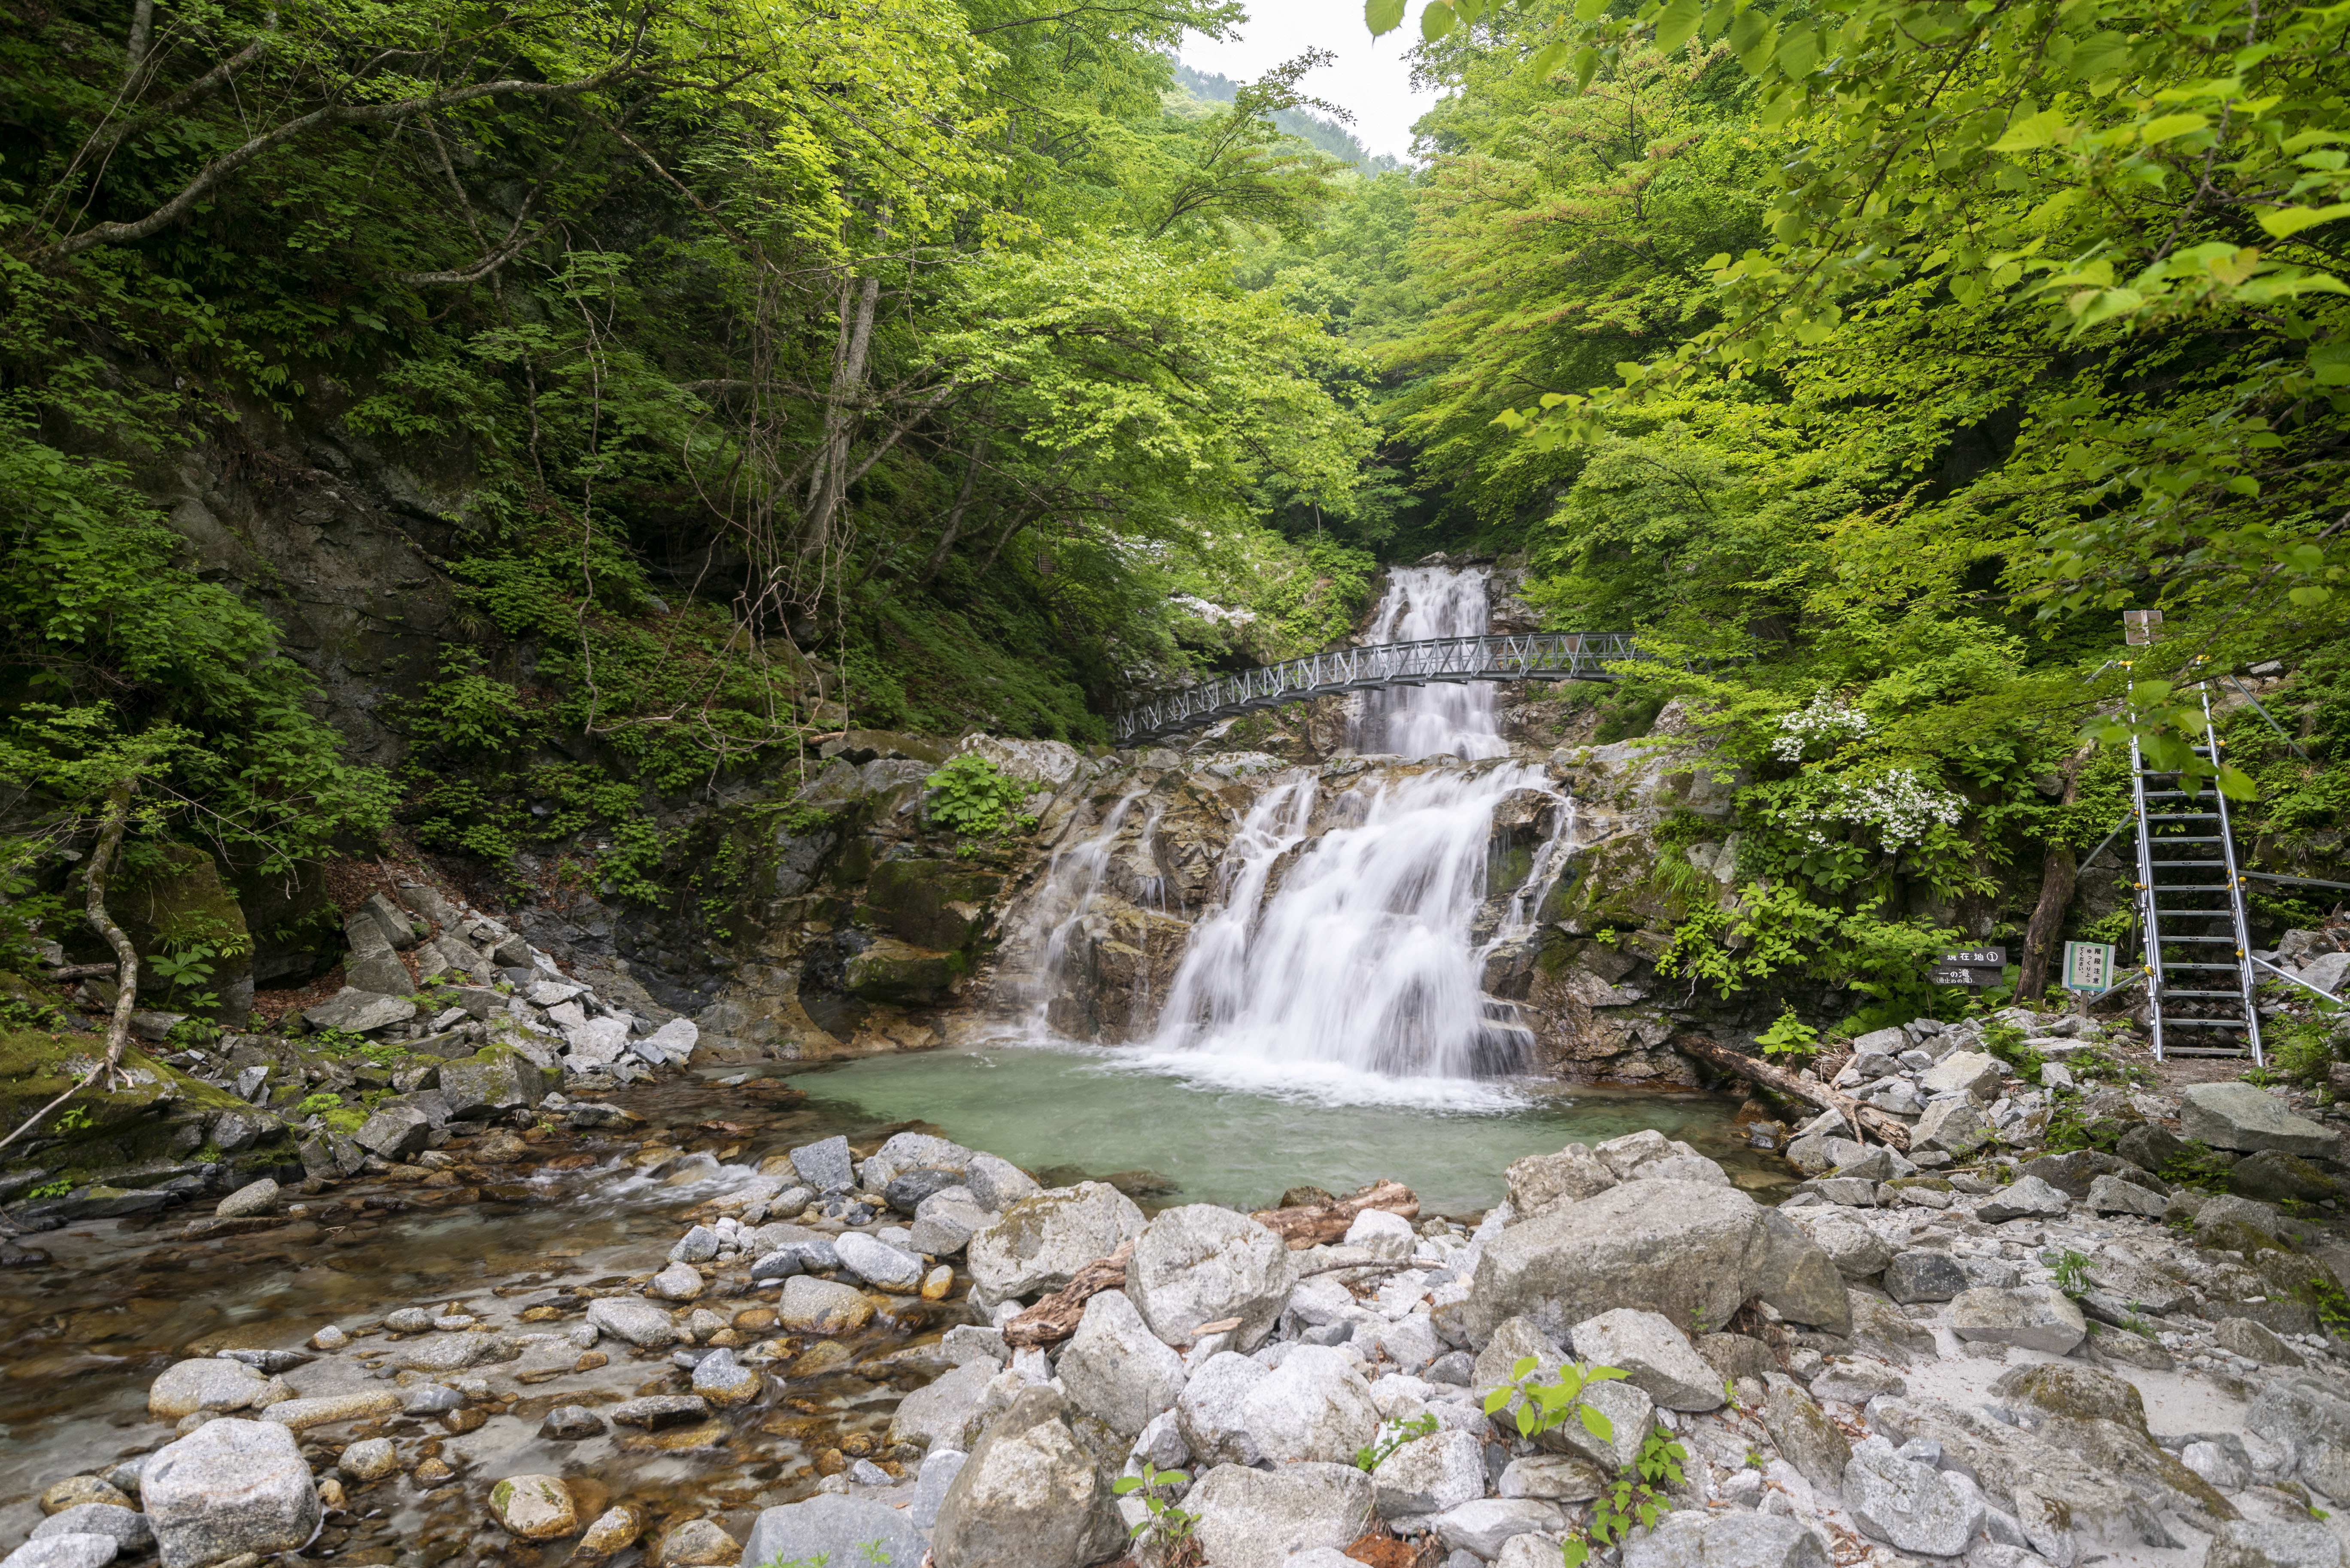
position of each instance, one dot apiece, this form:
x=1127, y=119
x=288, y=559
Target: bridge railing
x=1534, y=656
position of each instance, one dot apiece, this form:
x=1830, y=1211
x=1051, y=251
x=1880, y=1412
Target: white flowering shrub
x=1899, y=806
x=1826, y=718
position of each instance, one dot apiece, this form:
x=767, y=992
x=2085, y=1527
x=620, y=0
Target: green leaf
x=1754, y=38
x=1548, y=59
x=1124, y=1484
x=1799, y=51
x=1676, y=24
x=1437, y=20
x=1589, y=10
x=1596, y=1423
x=2235, y=783
x=1383, y=16
x=2172, y=126
x=2041, y=131
x=2286, y=221
x=1586, y=65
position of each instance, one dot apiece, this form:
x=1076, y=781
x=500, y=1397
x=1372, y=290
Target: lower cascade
x=1355, y=911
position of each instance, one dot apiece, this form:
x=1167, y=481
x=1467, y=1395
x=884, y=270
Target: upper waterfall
x=1356, y=955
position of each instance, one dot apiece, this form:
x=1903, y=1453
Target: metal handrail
x=1535, y=656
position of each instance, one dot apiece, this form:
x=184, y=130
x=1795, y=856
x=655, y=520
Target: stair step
x=2155, y=818
x=2229, y=941
x=2179, y=794
x=2205, y=1024
x=2207, y=1051
x=2169, y=991
x=2195, y=914
x=2168, y=964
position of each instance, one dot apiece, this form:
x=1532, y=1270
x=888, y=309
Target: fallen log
x=1890, y=1129
x=1313, y=1224
x=1055, y=1317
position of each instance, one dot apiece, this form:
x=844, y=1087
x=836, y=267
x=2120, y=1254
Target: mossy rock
x=178, y=900
x=1616, y=885
x=134, y=1121
x=896, y=971
x=936, y=904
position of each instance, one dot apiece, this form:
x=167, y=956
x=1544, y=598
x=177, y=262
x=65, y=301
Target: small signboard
x=1969, y=966
x=2139, y=628
x=2089, y=966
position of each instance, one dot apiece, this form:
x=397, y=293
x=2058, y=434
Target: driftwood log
x=1317, y=1224
x=1890, y=1129
x=1055, y=1317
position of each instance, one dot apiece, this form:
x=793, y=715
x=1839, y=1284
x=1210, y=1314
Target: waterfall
x=1350, y=959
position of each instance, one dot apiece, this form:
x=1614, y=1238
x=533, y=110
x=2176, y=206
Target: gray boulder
x=1200, y=1263
x=128, y=1527
x=911, y=1151
x=355, y=1012
x=1484, y=1526
x=2315, y=1423
x=1856, y=1251
x=1924, y=1276
x=939, y=1467
x=2029, y=1199
x=394, y=1132
x=229, y=1487
x=1689, y=1250
x=1316, y=1406
x=997, y=1183
x=1028, y=1497
x=878, y=1263
x=1256, y=1519
x=1116, y=1370
x=206, y=1383
x=834, y=1529
x=2246, y=1117
x=1692, y=1538
x=1211, y=1414
x=491, y=1082
x=1951, y=1126
x=2112, y=1195
x=1806, y=1437
x=946, y=1220
x=638, y=1321
x=1040, y=1242
x=2274, y=1543
x=939, y=1414
x=2032, y=1316
x=1655, y=1354
x=1539, y=1181
x=1907, y=1505
x=1429, y=1475
x=825, y=1165
x=1975, y=1072
x=76, y=1551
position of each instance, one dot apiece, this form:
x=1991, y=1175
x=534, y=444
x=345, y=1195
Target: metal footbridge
x=1537, y=656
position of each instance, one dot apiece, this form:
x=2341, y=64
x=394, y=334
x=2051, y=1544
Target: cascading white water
x=1423, y=603
x=1361, y=963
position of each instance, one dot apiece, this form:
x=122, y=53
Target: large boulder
x=1655, y=1355
x=2063, y=1501
x=1857, y=1250
x=1316, y=1406
x=2274, y=1543
x=827, y=1307
x=492, y=1082
x=229, y=1487
x=2317, y=1425
x=834, y=1529
x=1806, y=1437
x=1910, y=1506
x=1692, y=1538
x=938, y=1415
x=2246, y=1117
x=1541, y=1181
x=1256, y=1519
x=1211, y=1414
x=1040, y=1242
x=1429, y=1475
x=1689, y=1250
x=1029, y=1496
x=1200, y=1263
x=207, y=1383
x=2032, y=1316
x=1116, y=1370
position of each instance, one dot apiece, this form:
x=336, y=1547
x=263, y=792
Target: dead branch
x=1313, y=1224
x=1056, y=1316
x=1890, y=1129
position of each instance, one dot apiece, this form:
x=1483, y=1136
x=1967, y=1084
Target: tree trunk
x=851, y=348
x=101, y=865
x=2058, y=873
x=2056, y=878
x=1890, y=1129
x=1310, y=1226
x=953, y=524
x=118, y=1033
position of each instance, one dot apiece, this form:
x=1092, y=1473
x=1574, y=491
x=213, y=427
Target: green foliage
x=1165, y=1522
x=57, y=1189
x=1789, y=1037
x=2070, y=1270
x=1636, y=1496
x=2301, y=1049
x=1393, y=1435
x=1542, y=1404
x=2199, y=1165
x=974, y=797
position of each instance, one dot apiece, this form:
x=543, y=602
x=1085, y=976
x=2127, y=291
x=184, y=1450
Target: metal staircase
x=2191, y=903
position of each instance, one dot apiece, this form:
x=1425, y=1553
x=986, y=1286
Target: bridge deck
x=1537, y=656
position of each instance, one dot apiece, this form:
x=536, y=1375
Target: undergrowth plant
x=976, y=798
x=1393, y=1435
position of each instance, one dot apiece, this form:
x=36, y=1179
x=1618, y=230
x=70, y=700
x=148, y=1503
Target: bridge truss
x=1537, y=656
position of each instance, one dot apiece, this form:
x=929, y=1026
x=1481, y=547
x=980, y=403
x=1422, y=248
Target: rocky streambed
x=762, y=1339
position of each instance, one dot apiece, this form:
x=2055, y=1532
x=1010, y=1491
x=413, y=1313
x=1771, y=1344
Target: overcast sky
x=1369, y=78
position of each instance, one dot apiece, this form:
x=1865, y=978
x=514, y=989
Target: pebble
x=571, y=1424
x=535, y=1507
x=370, y=1459
x=74, y=1491
x=657, y=1410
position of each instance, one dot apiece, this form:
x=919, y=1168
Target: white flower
x=1896, y=802
x=1826, y=717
